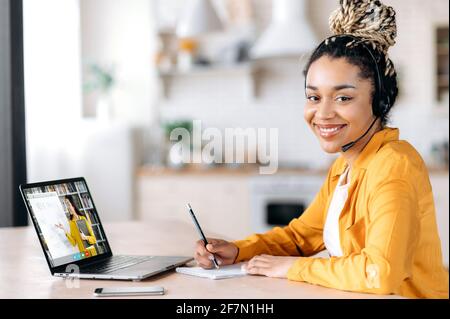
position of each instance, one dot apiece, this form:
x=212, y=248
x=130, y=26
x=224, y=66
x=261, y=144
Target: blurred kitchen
x=106, y=81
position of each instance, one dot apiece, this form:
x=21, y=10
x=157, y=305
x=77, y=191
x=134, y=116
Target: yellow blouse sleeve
x=385, y=261
x=69, y=236
x=71, y=239
x=302, y=237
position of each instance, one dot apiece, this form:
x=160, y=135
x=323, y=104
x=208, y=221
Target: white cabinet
x=220, y=202
x=439, y=182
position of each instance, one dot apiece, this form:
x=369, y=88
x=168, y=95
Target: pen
x=199, y=229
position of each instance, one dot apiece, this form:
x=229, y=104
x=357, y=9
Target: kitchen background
x=106, y=79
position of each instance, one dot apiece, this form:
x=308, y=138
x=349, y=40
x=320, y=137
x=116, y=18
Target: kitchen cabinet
x=442, y=62
x=220, y=202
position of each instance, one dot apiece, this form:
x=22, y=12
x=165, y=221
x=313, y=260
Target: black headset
x=383, y=100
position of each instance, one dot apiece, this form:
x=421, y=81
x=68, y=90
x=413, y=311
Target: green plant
x=170, y=126
x=99, y=78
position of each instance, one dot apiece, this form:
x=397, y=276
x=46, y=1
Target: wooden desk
x=24, y=272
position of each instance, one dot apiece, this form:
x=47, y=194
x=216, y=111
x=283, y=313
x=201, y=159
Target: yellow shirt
x=388, y=230
x=74, y=237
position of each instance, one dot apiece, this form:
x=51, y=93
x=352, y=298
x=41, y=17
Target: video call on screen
x=67, y=222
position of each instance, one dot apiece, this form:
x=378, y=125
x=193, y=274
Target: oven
x=277, y=199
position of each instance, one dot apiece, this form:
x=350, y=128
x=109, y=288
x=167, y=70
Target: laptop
x=73, y=239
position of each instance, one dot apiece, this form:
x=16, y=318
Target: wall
x=52, y=83
x=417, y=111
x=120, y=33
x=282, y=102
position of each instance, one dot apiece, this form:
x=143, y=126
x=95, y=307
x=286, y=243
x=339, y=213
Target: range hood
x=199, y=18
x=289, y=33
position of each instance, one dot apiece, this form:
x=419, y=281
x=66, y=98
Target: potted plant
x=175, y=148
x=100, y=80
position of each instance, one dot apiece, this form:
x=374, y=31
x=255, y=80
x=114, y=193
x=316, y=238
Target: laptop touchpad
x=145, y=268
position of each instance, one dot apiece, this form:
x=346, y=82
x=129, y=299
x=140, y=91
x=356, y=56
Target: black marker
x=202, y=235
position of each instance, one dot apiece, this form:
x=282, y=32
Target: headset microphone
x=348, y=146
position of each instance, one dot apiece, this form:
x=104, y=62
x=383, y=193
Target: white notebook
x=223, y=272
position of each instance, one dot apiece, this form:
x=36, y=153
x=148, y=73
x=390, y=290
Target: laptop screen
x=66, y=221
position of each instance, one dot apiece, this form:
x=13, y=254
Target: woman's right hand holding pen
x=224, y=251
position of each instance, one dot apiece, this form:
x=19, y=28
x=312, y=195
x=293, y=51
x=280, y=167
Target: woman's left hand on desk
x=270, y=266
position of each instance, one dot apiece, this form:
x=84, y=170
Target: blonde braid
x=369, y=20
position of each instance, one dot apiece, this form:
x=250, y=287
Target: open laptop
x=73, y=239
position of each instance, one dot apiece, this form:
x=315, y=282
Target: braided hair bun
x=359, y=26
x=370, y=20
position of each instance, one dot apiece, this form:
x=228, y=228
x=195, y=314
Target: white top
x=331, y=229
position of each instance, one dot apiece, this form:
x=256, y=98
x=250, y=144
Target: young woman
x=375, y=213
x=74, y=235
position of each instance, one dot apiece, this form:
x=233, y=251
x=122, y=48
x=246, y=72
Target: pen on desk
x=202, y=235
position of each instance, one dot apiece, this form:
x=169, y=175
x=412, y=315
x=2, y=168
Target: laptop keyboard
x=115, y=263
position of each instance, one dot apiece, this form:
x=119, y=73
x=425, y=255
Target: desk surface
x=24, y=272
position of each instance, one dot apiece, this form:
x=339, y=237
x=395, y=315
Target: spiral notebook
x=223, y=272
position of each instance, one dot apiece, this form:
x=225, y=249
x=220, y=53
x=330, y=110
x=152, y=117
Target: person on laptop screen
x=80, y=233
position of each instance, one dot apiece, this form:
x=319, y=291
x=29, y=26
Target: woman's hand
x=225, y=252
x=83, y=236
x=270, y=266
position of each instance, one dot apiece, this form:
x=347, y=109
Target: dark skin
x=338, y=110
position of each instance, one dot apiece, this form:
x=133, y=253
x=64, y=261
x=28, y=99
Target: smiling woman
x=375, y=213
x=339, y=103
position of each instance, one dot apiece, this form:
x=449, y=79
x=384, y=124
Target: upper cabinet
x=442, y=64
